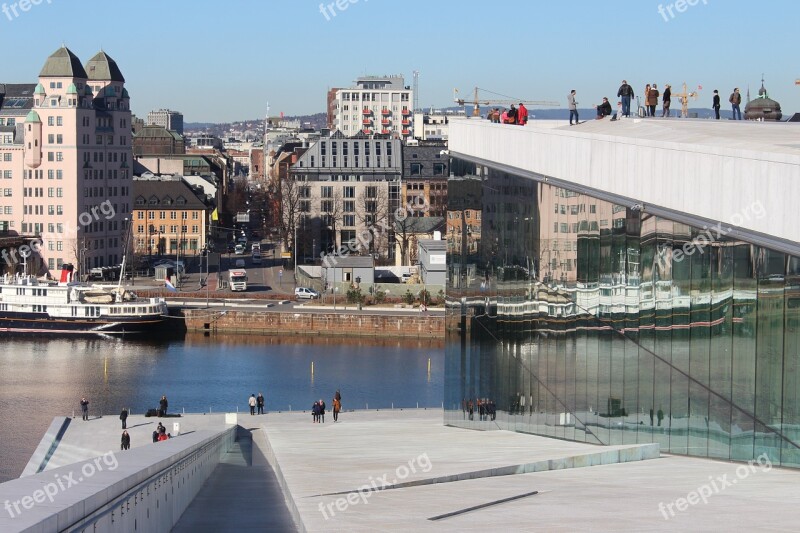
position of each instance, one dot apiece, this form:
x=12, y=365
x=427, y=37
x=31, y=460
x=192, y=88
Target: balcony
x=406, y=132
x=366, y=131
x=385, y=131
x=406, y=122
x=386, y=122
x=406, y=112
x=367, y=111
x=367, y=121
x=386, y=112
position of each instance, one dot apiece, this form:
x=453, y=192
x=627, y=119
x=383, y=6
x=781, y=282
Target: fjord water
x=41, y=378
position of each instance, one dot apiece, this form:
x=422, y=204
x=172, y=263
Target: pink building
x=65, y=159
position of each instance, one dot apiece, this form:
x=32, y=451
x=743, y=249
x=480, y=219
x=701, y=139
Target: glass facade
x=574, y=317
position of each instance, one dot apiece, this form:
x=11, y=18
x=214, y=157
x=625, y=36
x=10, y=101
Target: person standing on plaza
x=715, y=104
x=626, y=93
x=646, y=97
x=162, y=406
x=85, y=408
x=522, y=114
x=315, y=412
x=124, y=417
x=322, y=410
x=736, y=101
x=260, y=403
x=252, y=402
x=573, y=107
x=337, y=406
x=667, y=100
x=652, y=100
x=126, y=441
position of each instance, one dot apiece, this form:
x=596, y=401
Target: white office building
x=375, y=105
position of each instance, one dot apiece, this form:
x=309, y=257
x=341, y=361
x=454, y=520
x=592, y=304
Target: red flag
x=699, y=87
x=281, y=114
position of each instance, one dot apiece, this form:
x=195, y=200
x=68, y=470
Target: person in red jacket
x=522, y=114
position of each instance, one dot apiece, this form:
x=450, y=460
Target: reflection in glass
x=582, y=319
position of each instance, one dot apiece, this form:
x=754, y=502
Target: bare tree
x=289, y=195
x=331, y=211
x=372, y=211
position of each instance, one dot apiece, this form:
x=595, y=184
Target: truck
x=237, y=280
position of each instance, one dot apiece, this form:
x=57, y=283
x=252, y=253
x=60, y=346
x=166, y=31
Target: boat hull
x=35, y=323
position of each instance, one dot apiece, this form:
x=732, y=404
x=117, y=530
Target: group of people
x=160, y=433
x=514, y=115
x=256, y=402
x=318, y=409
x=651, y=100
x=486, y=409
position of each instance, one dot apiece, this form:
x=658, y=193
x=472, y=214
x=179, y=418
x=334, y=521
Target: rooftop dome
x=763, y=107
x=72, y=89
x=33, y=116
x=62, y=64
x=125, y=93
x=39, y=89
x=102, y=68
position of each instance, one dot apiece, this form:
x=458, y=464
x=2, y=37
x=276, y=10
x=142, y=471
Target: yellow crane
x=478, y=102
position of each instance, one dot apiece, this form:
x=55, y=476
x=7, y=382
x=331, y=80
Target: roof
x=433, y=245
x=152, y=131
x=416, y=225
x=166, y=193
x=102, y=68
x=350, y=261
x=33, y=116
x=16, y=99
x=63, y=64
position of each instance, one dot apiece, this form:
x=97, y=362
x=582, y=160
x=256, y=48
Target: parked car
x=304, y=293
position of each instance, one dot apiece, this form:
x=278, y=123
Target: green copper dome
x=39, y=89
x=33, y=116
x=72, y=89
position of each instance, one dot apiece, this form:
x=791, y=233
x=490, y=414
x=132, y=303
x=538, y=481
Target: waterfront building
x=630, y=283
x=347, y=188
x=167, y=119
x=65, y=163
x=376, y=105
x=431, y=125
x=169, y=216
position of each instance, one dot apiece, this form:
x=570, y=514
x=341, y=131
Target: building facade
x=593, y=309
x=167, y=119
x=66, y=165
x=152, y=140
x=168, y=217
x=347, y=190
x=375, y=105
x=426, y=168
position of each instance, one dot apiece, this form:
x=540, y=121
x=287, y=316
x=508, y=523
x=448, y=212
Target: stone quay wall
x=334, y=324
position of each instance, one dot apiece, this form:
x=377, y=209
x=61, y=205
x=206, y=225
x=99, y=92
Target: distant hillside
x=317, y=120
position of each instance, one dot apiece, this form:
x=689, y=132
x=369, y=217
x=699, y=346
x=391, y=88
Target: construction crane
x=477, y=101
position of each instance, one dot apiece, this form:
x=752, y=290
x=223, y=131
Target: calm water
x=42, y=378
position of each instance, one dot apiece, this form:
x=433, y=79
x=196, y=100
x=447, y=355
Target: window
x=50, y=121
x=438, y=169
x=327, y=192
x=349, y=192
x=349, y=220
x=59, y=192
x=50, y=192
x=6, y=192
x=59, y=121
x=7, y=174
x=416, y=169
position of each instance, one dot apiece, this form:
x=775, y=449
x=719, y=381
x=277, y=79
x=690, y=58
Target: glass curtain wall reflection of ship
x=574, y=317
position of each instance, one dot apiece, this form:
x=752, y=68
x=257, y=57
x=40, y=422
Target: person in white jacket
x=619, y=115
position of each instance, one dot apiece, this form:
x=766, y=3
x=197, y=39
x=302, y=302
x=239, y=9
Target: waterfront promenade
x=396, y=470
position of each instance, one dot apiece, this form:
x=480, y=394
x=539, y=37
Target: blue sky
x=223, y=61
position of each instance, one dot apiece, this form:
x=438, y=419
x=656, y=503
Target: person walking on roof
x=715, y=104
x=573, y=107
x=667, y=100
x=522, y=114
x=85, y=408
x=252, y=402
